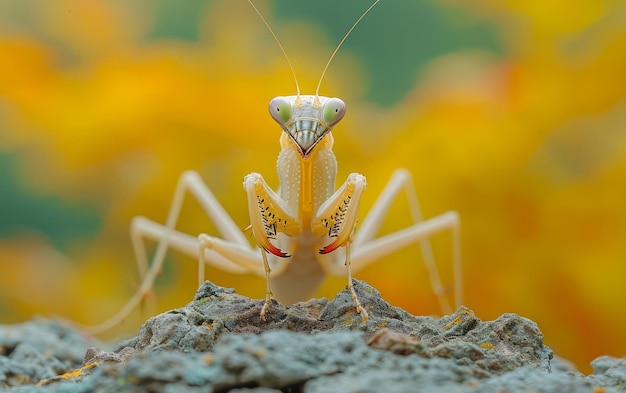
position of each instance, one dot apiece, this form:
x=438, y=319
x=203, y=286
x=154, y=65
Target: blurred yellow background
x=510, y=112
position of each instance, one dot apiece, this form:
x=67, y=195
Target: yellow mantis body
x=306, y=230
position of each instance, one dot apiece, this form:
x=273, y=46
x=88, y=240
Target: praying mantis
x=306, y=229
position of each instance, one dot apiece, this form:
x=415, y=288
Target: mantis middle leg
x=367, y=248
x=167, y=236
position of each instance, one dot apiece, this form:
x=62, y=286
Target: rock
x=218, y=343
x=37, y=350
x=609, y=371
x=490, y=347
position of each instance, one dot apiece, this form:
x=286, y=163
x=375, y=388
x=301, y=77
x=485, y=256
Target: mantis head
x=307, y=118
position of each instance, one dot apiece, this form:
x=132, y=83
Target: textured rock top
x=218, y=343
x=489, y=347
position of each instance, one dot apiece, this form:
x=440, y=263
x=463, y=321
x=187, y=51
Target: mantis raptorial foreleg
x=270, y=215
x=336, y=218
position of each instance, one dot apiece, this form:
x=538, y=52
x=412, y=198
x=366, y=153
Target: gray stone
x=609, y=372
x=218, y=343
x=491, y=347
x=37, y=350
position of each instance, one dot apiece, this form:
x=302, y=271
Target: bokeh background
x=510, y=112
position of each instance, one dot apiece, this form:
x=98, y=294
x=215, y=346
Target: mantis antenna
x=282, y=49
x=332, y=56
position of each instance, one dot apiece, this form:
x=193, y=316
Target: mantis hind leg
x=167, y=237
x=368, y=247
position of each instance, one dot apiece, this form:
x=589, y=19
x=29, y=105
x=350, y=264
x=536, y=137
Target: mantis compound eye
x=333, y=111
x=280, y=109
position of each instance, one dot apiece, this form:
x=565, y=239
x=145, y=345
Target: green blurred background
x=510, y=112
